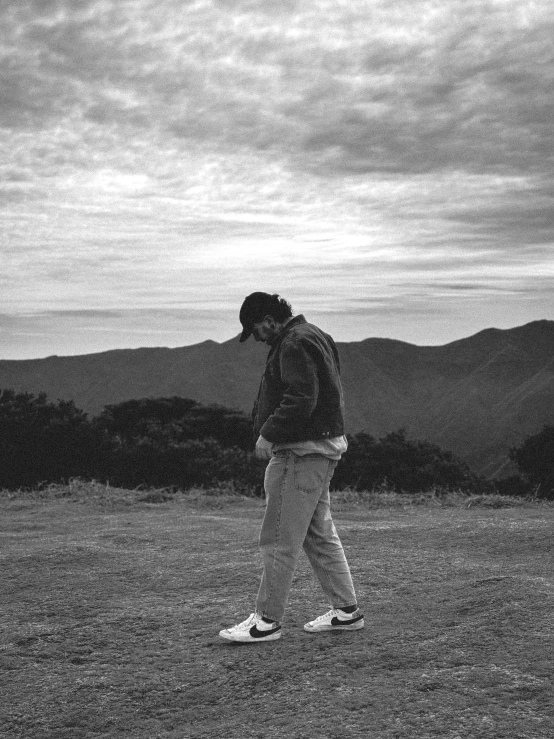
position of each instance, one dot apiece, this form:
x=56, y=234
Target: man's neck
x=279, y=328
x=285, y=323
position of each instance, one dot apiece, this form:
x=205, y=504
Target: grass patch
x=435, y=498
x=112, y=600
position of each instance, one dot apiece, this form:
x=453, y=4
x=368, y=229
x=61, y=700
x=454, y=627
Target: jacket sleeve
x=300, y=388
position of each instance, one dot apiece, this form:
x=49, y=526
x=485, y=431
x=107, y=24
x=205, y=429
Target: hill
x=477, y=396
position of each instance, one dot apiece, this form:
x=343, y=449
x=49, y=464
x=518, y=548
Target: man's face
x=264, y=330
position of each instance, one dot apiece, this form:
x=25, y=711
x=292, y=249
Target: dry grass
x=112, y=603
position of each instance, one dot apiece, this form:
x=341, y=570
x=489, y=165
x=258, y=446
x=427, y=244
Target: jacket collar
x=293, y=322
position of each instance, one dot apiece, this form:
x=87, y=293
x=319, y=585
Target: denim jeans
x=298, y=516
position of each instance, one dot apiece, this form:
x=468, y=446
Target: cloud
x=471, y=95
x=159, y=151
x=410, y=87
x=83, y=313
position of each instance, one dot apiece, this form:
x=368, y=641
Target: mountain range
x=476, y=397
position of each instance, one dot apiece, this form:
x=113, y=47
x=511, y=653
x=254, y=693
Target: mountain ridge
x=476, y=396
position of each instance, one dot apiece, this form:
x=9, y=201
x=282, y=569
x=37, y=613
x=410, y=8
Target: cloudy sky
x=386, y=165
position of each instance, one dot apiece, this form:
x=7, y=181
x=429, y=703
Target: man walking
x=299, y=421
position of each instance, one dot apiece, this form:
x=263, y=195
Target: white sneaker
x=254, y=629
x=336, y=620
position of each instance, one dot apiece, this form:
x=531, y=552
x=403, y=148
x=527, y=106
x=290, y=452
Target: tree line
x=178, y=442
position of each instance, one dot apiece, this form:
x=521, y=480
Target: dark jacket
x=300, y=396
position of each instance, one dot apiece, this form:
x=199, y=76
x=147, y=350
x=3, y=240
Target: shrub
x=179, y=442
x=402, y=465
x=514, y=486
x=149, y=461
x=535, y=461
x=175, y=420
x=46, y=442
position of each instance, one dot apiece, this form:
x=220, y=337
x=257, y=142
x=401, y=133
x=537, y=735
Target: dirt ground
x=111, y=608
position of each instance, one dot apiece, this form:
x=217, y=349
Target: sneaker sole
x=247, y=639
x=329, y=627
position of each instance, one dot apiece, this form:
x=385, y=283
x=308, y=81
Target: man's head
x=263, y=315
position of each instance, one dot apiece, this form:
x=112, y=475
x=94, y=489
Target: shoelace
x=330, y=613
x=335, y=612
x=247, y=622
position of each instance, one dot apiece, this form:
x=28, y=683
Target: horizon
x=385, y=166
x=263, y=346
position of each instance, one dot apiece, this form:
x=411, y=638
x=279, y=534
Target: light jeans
x=298, y=516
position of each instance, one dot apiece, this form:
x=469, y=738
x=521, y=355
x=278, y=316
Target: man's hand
x=263, y=448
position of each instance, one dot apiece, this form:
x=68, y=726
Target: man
x=299, y=421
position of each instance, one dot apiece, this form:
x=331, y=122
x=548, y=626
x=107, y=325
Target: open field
x=111, y=607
